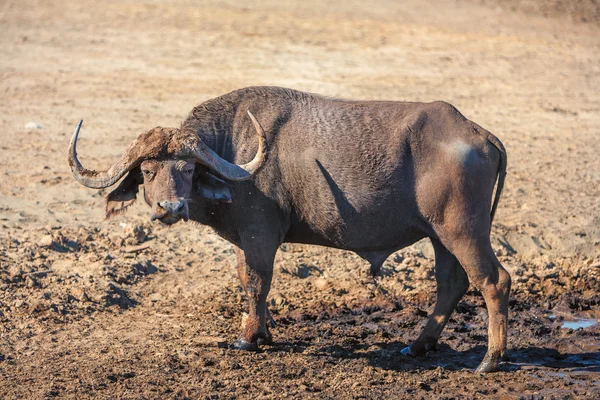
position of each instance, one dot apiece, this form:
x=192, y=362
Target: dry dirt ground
x=129, y=309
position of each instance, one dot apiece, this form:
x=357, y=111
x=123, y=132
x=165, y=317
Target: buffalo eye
x=188, y=171
x=148, y=174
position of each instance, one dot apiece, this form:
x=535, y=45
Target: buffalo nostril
x=179, y=206
x=172, y=206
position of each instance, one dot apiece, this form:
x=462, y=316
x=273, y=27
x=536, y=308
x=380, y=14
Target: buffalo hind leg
x=255, y=270
x=487, y=275
x=452, y=283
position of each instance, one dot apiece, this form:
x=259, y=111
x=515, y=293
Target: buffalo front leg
x=242, y=270
x=255, y=270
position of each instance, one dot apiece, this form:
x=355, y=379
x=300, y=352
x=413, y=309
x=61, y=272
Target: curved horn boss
x=135, y=154
x=233, y=172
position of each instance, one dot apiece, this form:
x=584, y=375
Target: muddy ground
x=129, y=309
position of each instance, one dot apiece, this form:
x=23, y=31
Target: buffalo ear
x=124, y=195
x=215, y=189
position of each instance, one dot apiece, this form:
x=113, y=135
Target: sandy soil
x=126, y=308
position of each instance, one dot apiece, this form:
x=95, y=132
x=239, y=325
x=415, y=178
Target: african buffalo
x=366, y=176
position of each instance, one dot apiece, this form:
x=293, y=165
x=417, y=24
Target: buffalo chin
x=170, y=219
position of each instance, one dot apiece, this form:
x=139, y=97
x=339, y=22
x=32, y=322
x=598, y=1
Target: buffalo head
x=174, y=166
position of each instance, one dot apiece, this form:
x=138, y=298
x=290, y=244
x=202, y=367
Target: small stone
x=155, y=297
x=46, y=241
x=133, y=235
x=15, y=274
x=33, y=125
x=80, y=294
x=321, y=284
x=116, y=239
x=38, y=306
x=278, y=300
x=30, y=282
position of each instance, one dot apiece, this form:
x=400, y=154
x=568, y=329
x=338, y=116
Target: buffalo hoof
x=489, y=364
x=242, y=344
x=418, y=349
x=264, y=341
